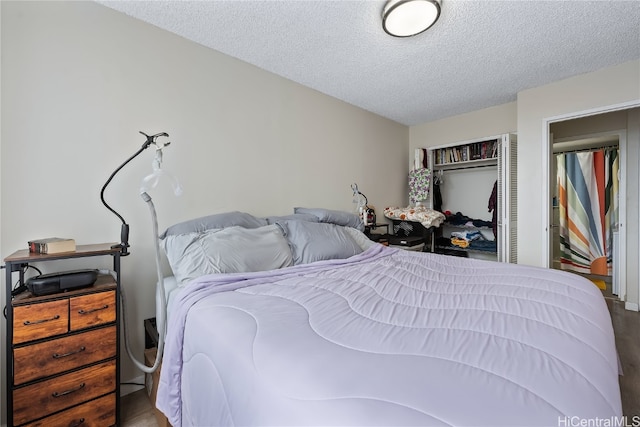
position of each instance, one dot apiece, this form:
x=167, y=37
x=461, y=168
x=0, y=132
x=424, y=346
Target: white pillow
x=229, y=250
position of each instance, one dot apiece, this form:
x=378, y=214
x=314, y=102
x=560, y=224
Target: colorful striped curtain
x=588, y=203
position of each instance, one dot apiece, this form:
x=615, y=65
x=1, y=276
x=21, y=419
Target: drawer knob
x=79, y=423
x=104, y=307
x=35, y=322
x=64, y=393
x=60, y=356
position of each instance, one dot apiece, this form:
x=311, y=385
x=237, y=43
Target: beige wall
x=590, y=125
x=80, y=80
x=477, y=124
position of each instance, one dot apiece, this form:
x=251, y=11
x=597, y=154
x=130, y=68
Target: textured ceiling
x=480, y=53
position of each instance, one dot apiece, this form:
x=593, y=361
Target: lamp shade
x=406, y=18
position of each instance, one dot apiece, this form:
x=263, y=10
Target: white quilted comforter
x=390, y=337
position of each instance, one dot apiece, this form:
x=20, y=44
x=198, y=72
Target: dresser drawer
x=40, y=320
x=63, y=354
x=97, y=413
x=92, y=310
x=37, y=400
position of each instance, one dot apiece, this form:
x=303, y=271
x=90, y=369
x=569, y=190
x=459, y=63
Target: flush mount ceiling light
x=406, y=18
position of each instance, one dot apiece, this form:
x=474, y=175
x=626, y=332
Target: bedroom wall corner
x=80, y=80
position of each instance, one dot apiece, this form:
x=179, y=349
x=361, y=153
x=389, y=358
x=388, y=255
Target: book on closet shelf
x=51, y=245
x=476, y=151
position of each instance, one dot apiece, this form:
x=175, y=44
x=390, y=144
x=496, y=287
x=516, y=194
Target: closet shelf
x=471, y=154
x=466, y=164
x=466, y=227
x=459, y=249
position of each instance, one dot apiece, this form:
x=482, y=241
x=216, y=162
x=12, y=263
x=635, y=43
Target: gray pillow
x=230, y=250
x=333, y=217
x=360, y=238
x=215, y=221
x=316, y=241
x=295, y=216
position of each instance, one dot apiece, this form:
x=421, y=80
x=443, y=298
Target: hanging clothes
x=493, y=206
x=437, y=196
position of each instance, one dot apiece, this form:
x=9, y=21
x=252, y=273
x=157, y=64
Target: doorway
x=613, y=120
x=585, y=207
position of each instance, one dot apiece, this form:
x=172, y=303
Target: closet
x=473, y=181
x=585, y=206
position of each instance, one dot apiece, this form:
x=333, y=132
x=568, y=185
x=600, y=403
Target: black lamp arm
x=366, y=201
x=124, y=231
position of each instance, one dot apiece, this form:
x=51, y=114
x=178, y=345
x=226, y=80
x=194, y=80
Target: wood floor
x=626, y=325
x=138, y=412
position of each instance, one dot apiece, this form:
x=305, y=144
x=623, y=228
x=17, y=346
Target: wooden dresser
x=63, y=349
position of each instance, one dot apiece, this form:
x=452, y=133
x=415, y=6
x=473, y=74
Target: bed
x=325, y=327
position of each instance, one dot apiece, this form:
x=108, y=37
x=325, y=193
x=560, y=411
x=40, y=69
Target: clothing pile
x=425, y=216
x=462, y=239
x=462, y=220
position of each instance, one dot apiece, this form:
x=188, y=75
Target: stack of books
x=52, y=245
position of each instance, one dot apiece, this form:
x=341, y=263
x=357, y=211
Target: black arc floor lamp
x=124, y=230
x=148, y=182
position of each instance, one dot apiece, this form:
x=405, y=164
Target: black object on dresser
x=62, y=349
